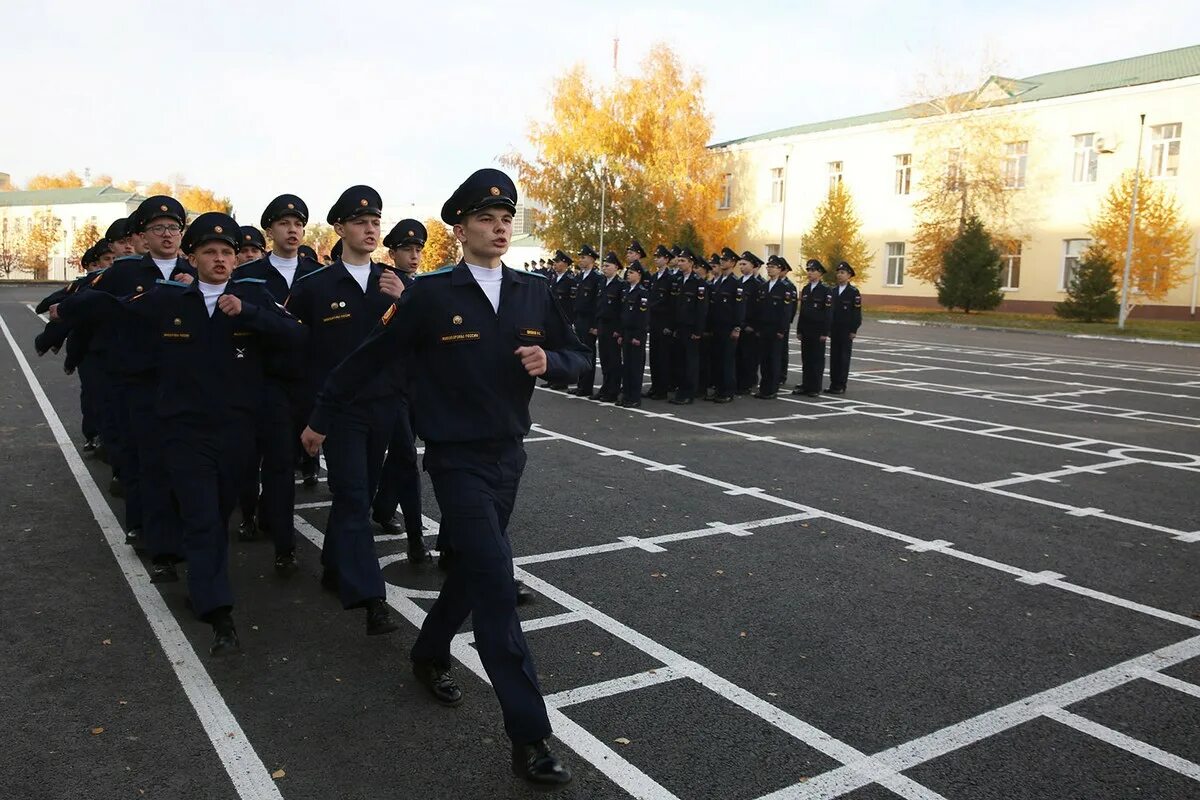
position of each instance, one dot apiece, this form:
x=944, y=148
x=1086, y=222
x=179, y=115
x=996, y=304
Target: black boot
x=225, y=638
x=164, y=570
x=438, y=681
x=418, y=555
x=525, y=595
x=248, y=530
x=535, y=763
x=391, y=524
x=379, y=618
x=285, y=564
x=115, y=487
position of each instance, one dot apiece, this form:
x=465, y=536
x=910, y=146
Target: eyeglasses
x=159, y=230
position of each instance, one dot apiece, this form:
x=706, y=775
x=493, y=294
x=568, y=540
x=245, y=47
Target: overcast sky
x=253, y=99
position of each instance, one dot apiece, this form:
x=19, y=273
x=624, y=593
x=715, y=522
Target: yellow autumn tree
x=67, y=180
x=199, y=200
x=836, y=235
x=441, y=248
x=1162, y=243
x=644, y=140
x=319, y=237
x=84, y=237
x=45, y=231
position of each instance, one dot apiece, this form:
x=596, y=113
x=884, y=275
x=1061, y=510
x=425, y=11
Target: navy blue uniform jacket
x=466, y=383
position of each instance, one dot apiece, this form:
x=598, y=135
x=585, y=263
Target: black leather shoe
x=798, y=390
x=761, y=396
x=837, y=391
x=285, y=564
x=90, y=445
x=247, y=530
x=631, y=404
x=525, y=595
x=558, y=387
x=438, y=681
x=722, y=399
x=329, y=580
x=225, y=638
x=390, y=525
x=116, y=488
x=580, y=392
x=310, y=479
x=536, y=764
x=379, y=618
x=133, y=538
x=812, y=394
x=675, y=401
x=418, y=555
x=164, y=572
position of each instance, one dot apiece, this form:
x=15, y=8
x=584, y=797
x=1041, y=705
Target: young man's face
x=122, y=247
x=843, y=277
x=727, y=265
x=138, y=245
x=608, y=269
x=633, y=276
x=662, y=262
x=686, y=266
x=406, y=257
x=814, y=275
x=745, y=267
x=632, y=256
x=360, y=235
x=214, y=261
x=249, y=252
x=286, y=235
x=586, y=262
x=163, y=235
x=773, y=272
x=104, y=261
x=560, y=267
x=486, y=233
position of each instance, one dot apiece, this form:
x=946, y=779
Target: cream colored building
x=1080, y=129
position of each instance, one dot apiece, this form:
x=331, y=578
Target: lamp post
x=601, y=165
x=1137, y=181
x=787, y=154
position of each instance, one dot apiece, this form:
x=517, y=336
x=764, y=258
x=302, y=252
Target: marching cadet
x=562, y=286
x=400, y=480
x=774, y=321
x=587, y=302
x=206, y=339
x=253, y=245
x=306, y=252
x=661, y=322
x=335, y=252
x=119, y=237
x=476, y=334
x=608, y=329
x=748, y=346
x=634, y=255
x=308, y=465
x=691, y=315
x=340, y=304
x=284, y=409
x=635, y=324
x=844, y=324
x=727, y=311
x=703, y=271
x=812, y=328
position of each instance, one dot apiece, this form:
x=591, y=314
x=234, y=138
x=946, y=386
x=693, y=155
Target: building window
x=776, y=185
x=1084, y=168
x=1010, y=266
x=1072, y=252
x=954, y=170
x=835, y=174
x=1164, y=155
x=903, y=173
x=1015, y=156
x=726, y=191
x=772, y=250
x=895, y=263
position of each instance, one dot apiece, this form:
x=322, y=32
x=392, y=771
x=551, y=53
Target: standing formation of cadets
x=207, y=381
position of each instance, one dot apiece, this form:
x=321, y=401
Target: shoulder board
x=441, y=271
x=538, y=275
x=308, y=275
x=162, y=282
x=129, y=257
x=250, y=280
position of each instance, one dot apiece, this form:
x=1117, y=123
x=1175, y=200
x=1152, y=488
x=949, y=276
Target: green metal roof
x=54, y=197
x=1153, y=68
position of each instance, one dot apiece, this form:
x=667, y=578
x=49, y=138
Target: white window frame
x=903, y=163
x=894, y=262
x=1016, y=158
x=835, y=174
x=1010, y=256
x=1085, y=161
x=776, y=186
x=1070, y=261
x=726, y=200
x=1164, y=138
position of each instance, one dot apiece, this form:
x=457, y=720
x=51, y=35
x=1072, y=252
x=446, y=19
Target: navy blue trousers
x=400, y=481
x=144, y=473
x=204, y=465
x=724, y=362
x=633, y=365
x=476, y=488
x=587, y=378
x=277, y=443
x=91, y=396
x=748, y=357
x=661, y=345
x=610, y=361
x=354, y=450
x=772, y=348
x=812, y=361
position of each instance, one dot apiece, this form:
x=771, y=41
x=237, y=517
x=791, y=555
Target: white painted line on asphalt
x=610, y=763
x=1125, y=742
x=628, y=683
x=317, y=504
x=1054, y=475
x=1040, y=578
x=245, y=768
x=1173, y=683
x=535, y=624
x=33, y=308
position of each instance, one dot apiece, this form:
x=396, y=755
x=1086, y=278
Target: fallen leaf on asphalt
x=621, y=740
x=905, y=560
x=122, y=703
x=720, y=572
x=97, y=731
x=742, y=634
x=595, y=652
x=277, y=774
x=106, y=641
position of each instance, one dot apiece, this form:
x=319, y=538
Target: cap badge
x=219, y=229
x=363, y=202
x=495, y=190
x=178, y=321
x=162, y=208
x=333, y=305
x=456, y=319
x=291, y=205
x=247, y=237
x=412, y=233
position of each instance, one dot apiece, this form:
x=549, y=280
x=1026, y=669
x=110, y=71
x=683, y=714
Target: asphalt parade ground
x=975, y=575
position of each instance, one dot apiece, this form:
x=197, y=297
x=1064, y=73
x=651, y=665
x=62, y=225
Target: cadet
x=306, y=252
x=472, y=380
x=727, y=311
x=120, y=237
x=284, y=409
x=691, y=315
x=308, y=465
x=562, y=286
x=844, y=324
x=774, y=320
x=608, y=329
x=661, y=322
x=748, y=345
x=253, y=245
x=206, y=338
x=587, y=303
x=634, y=255
x=703, y=271
x=812, y=328
x=635, y=324
x=400, y=480
x=340, y=304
